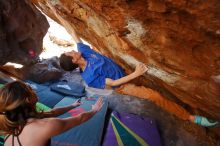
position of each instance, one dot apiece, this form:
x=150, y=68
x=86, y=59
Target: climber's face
x=76, y=56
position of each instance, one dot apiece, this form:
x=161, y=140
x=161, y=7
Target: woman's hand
x=98, y=105
x=76, y=103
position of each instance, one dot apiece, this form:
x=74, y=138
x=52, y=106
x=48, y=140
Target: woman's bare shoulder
x=40, y=124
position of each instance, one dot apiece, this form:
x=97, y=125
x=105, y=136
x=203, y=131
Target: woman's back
x=33, y=134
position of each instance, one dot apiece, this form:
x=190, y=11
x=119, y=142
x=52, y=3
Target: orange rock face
x=178, y=41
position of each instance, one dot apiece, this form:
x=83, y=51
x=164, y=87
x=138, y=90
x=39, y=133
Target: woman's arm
x=140, y=70
x=61, y=110
x=56, y=126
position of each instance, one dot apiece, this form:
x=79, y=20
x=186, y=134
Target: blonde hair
x=17, y=105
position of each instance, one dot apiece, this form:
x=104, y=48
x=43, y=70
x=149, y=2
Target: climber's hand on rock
x=140, y=69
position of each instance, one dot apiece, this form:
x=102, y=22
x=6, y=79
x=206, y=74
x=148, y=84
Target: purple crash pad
x=131, y=130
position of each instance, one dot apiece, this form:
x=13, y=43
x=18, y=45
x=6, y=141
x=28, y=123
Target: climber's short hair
x=66, y=63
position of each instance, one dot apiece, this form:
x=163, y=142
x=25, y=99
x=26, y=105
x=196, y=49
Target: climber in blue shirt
x=98, y=71
x=98, y=67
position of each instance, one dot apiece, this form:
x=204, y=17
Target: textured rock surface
x=22, y=28
x=178, y=41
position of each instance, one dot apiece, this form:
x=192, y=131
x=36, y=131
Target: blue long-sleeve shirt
x=98, y=67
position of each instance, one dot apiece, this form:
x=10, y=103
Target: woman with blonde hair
x=22, y=124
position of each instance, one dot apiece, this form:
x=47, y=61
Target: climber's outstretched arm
x=140, y=70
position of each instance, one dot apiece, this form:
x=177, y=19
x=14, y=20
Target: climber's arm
x=140, y=70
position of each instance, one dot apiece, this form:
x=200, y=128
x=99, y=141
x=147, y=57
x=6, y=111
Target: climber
x=22, y=124
x=99, y=71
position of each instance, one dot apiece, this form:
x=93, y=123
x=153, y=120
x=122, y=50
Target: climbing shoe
x=203, y=121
